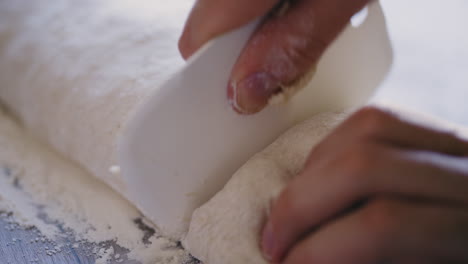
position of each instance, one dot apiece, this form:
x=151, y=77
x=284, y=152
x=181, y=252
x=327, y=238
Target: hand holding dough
x=227, y=228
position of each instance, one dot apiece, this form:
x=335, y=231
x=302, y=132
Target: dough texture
x=226, y=229
x=74, y=72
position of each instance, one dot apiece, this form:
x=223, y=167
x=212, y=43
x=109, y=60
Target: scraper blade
x=185, y=142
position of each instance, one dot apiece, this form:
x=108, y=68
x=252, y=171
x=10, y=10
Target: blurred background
x=430, y=71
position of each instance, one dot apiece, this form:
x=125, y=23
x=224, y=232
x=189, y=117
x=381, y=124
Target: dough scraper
x=185, y=142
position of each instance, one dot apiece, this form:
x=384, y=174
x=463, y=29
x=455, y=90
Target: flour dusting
x=40, y=189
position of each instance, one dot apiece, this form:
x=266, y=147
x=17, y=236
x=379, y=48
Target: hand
x=289, y=42
x=376, y=190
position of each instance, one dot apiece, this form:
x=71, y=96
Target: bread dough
x=227, y=228
x=74, y=72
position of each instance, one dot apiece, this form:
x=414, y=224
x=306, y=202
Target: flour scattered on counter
x=46, y=191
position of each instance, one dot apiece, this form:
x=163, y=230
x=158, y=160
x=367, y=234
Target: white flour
x=32, y=174
x=72, y=71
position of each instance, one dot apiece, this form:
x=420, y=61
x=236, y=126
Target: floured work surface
x=20, y=244
x=72, y=71
x=81, y=220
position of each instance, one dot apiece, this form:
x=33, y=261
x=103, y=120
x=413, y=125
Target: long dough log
x=73, y=71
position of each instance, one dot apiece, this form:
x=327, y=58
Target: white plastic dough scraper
x=185, y=142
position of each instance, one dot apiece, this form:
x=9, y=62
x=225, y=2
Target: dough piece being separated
x=227, y=228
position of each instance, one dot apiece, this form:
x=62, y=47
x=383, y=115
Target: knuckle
x=380, y=219
x=357, y=163
x=287, y=202
x=306, y=53
x=371, y=120
x=298, y=52
x=289, y=208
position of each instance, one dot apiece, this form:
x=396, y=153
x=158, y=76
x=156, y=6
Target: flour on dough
x=227, y=228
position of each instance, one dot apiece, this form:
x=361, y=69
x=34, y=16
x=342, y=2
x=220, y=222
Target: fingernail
x=268, y=242
x=251, y=94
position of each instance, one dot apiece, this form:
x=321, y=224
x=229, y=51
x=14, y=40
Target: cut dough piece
x=227, y=228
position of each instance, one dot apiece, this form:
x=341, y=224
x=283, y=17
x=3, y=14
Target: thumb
x=210, y=18
x=284, y=48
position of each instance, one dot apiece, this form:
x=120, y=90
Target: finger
x=383, y=126
x=351, y=239
x=395, y=130
x=285, y=48
x=388, y=231
x=356, y=175
x=210, y=18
